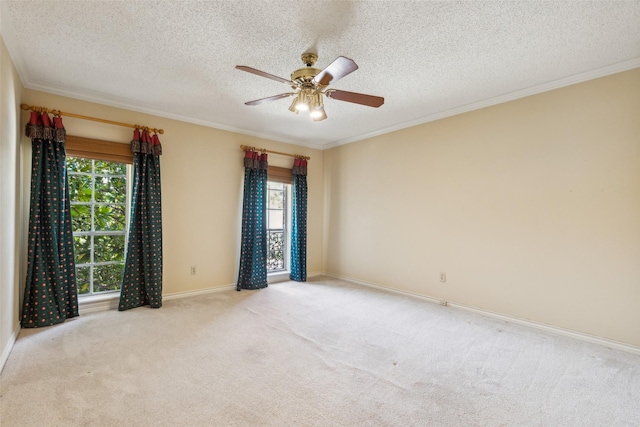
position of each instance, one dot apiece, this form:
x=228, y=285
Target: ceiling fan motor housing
x=306, y=74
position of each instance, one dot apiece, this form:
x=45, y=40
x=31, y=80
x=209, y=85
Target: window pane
x=110, y=190
x=110, y=218
x=276, y=219
x=276, y=199
x=83, y=278
x=82, y=249
x=80, y=188
x=110, y=168
x=276, y=185
x=76, y=164
x=108, y=248
x=107, y=277
x=81, y=217
x=98, y=193
x=275, y=260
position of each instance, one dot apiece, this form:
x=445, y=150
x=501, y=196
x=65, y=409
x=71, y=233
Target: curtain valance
x=40, y=127
x=145, y=143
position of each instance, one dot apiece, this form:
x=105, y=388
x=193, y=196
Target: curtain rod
x=78, y=116
x=297, y=156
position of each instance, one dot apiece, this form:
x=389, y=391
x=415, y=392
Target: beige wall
x=202, y=174
x=532, y=208
x=10, y=94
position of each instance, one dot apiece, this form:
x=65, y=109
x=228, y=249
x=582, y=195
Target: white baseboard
x=384, y=288
x=285, y=276
x=272, y=279
x=6, y=351
x=617, y=345
x=110, y=302
x=186, y=294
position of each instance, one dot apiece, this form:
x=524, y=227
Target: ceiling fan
x=311, y=84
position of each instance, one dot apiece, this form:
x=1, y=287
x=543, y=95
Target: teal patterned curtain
x=50, y=294
x=299, y=222
x=253, y=253
x=142, y=278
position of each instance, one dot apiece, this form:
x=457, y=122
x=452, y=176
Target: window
x=98, y=193
x=277, y=226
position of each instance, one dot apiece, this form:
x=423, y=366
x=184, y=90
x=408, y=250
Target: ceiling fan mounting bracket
x=309, y=58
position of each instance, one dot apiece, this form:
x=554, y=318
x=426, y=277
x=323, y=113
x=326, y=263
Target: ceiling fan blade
x=263, y=74
x=339, y=68
x=271, y=98
x=356, y=98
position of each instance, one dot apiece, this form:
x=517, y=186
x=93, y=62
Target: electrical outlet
x=193, y=270
x=443, y=277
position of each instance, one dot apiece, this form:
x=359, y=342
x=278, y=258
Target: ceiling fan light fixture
x=301, y=102
x=318, y=115
x=316, y=101
x=292, y=107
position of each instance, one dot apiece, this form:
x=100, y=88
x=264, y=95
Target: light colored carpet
x=324, y=353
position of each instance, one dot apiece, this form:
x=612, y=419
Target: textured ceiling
x=427, y=59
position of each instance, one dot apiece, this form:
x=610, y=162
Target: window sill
x=278, y=276
x=88, y=304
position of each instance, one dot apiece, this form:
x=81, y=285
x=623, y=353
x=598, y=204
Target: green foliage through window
x=98, y=192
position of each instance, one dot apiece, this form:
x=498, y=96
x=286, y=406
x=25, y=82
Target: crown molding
x=163, y=114
x=533, y=90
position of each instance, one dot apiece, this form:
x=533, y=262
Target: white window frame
x=92, y=233
x=283, y=275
